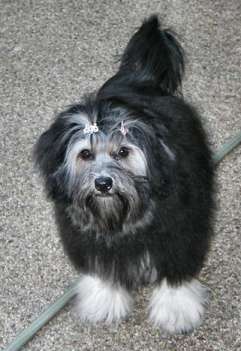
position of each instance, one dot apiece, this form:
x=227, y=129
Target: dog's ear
x=50, y=150
x=154, y=57
x=49, y=156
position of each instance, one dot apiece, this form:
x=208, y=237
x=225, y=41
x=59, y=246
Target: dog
x=130, y=173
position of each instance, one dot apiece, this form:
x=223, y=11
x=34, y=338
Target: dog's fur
x=154, y=225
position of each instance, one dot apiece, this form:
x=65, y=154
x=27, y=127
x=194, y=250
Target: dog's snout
x=103, y=184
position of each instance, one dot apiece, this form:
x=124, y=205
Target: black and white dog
x=131, y=177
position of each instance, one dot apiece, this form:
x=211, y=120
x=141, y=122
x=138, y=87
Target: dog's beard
x=109, y=211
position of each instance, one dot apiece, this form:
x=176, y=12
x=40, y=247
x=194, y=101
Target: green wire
x=23, y=337
x=227, y=147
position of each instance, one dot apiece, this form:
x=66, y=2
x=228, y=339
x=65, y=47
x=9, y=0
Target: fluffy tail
x=154, y=57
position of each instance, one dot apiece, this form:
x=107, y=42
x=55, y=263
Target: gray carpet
x=51, y=53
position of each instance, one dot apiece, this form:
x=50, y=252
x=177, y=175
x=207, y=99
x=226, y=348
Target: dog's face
x=105, y=169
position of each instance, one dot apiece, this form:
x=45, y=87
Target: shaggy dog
x=130, y=175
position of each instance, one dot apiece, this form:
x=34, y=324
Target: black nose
x=103, y=184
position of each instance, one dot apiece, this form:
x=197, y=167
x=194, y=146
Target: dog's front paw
x=178, y=309
x=99, y=300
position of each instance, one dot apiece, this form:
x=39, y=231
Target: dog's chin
x=109, y=210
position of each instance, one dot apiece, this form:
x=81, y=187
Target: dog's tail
x=153, y=57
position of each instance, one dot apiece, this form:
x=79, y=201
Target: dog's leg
x=100, y=300
x=178, y=308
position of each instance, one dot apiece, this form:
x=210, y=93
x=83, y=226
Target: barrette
x=123, y=129
x=90, y=129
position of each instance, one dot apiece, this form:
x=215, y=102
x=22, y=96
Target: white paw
x=99, y=300
x=178, y=309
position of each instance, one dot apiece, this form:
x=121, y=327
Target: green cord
x=27, y=334
x=227, y=148
x=23, y=337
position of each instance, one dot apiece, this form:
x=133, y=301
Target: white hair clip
x=90, y=129
x=123, y=129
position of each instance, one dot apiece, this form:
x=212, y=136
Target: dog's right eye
x=86, y=154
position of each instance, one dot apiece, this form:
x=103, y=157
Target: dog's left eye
x=85, y=154
x=123, y=152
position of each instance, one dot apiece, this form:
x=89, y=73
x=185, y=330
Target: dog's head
x=106, y=160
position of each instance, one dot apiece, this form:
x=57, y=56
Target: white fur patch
x=99, y=300
x=137, y=161
x=168, y=151
x=178, y=309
